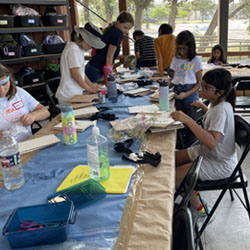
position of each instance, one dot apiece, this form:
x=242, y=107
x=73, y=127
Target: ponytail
x=109, y=26
x=231, y=96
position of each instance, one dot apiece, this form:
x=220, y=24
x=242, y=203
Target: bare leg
x=181, y=172
x=181, y=157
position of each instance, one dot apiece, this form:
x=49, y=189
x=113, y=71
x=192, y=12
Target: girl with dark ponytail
x=112, y=36
x=216, y=136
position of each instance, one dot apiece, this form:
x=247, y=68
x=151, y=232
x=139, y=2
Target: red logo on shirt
x=18, y=105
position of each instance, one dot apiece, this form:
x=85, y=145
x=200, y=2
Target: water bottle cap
x=95, y=130
x=163, y=83
x=111, y=77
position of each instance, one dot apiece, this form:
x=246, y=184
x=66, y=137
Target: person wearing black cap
x=73, y=79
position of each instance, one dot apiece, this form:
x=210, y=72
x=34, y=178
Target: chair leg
x=231, y=194
x=246, y=201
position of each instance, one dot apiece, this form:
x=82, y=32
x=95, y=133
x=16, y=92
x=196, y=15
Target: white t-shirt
x=185, y=70
x=11, y=111
x=72, y=57
x=220, y=162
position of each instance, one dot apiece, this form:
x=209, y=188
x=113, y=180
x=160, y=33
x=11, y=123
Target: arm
x=159, y=57
x=39, y=113
x=183, y=95
x=110, y=54
x=200, y=105
x=208, y=138
x=76, y=75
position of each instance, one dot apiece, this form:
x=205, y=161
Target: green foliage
x=206, y=7
x=160, y=14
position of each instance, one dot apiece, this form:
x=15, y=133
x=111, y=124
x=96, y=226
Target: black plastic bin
x=18, y=80
x=6, y=21
x=10, y=52
x=55, y=20
x=33, y=78
x=53, y=48
x=32, y=50
x=27, y=21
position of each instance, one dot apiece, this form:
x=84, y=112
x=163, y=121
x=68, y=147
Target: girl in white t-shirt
x=72, y=64
x=217, y=136
x=17, y=106
x=187, y=69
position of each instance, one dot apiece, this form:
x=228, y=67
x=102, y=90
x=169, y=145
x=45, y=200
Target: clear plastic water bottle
x=98, y=159
x=11, y=162
x=112, y=90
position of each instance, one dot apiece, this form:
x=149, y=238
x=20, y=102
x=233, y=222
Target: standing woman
x=17, y=106
x=73, y=79
x=112, y=36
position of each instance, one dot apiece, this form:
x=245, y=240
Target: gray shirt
x=219, y=162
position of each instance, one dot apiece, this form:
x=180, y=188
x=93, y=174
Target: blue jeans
x=93, y=73
x=185, y=103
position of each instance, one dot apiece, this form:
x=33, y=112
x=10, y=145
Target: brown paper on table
x=85, y=112
x=82, y=105
x=155, y=97
x=147, y=216
x=143, y=109
x=83, y=98
x=37, y=143
x=80, y=125
x=138, y=92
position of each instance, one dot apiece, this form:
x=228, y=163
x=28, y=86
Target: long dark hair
x=222, y=56
x=124, y=17
x=187, y=38
x=221, y=79
x=4, y=72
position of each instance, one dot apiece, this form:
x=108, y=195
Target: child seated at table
x=18, y=109
x=187, y=67
x=217, y=140
x=217, y=57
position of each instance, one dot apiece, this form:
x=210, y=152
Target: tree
x=205, y=7
x=160, y=13
x=109, y=8
x=139, y=6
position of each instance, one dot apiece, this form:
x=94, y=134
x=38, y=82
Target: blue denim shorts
x=93, y=73
x=185, y=103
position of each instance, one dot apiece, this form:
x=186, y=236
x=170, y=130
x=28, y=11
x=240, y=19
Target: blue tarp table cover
x=47, y=169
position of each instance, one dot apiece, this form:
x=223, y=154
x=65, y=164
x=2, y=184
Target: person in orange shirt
x=164, y=47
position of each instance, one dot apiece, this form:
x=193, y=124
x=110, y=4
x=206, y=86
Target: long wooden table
x=147, y=218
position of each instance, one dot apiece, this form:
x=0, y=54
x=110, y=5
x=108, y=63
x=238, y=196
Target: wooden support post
x=123, y=6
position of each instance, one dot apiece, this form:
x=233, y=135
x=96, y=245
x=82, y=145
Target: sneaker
x=202, y=216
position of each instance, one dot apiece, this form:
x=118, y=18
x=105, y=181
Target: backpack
x=53, y=39
x=25, y=40
x=7, y=41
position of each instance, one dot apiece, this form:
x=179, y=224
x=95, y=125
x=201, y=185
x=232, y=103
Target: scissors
x=28, y=225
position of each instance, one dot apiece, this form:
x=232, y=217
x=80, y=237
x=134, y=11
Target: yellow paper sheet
x=117, y=183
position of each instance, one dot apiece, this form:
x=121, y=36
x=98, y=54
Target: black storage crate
x=33, y=78
x=55, y=20
x=27, y=21
x=6, y=21
x=18, y=80
x=10, y=52
x=32, y=50
x=53, y=48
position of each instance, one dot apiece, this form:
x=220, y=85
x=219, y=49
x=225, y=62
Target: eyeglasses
x=206, y=88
